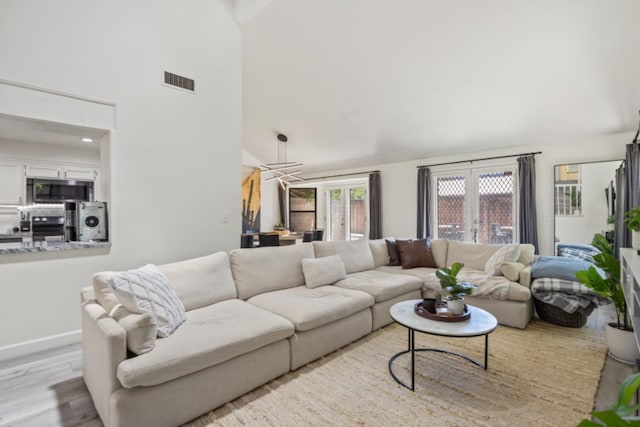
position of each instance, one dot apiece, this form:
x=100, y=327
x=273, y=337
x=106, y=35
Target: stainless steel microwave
x=59, y=190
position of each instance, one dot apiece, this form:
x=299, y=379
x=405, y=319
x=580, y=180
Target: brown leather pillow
x=415, y=253
x=394, y=255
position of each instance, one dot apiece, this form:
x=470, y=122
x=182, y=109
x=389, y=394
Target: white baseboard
x=34, y=346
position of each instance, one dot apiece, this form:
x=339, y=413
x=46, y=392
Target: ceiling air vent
x=177, y=81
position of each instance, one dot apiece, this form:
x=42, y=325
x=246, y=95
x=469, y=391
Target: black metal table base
x=413, y=351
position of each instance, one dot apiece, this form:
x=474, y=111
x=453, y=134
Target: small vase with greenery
x=455, y=290
x=608, y=286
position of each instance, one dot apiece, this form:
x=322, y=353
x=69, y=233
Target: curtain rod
x=342, y=174
x=478, y=160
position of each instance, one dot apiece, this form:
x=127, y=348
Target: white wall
x=174, y=157
x=399, y=180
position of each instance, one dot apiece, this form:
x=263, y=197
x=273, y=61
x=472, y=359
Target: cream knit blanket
x=494, y=287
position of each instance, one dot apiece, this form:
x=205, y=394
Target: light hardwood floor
x=47, y=389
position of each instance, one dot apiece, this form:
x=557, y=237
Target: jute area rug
x=545, y=375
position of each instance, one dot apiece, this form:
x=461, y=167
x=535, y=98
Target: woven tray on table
x=557, y=316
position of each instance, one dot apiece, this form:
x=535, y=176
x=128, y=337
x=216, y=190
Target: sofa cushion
x=420, y=272
x=415, y=254
x=507, y=253
x=141, y=334
x=209, y=336
x=201, y=281
x=147, y=290
x=380, y=285
x=379, y=251
x=472, y=255
x=268, y=269
x=323, y=271
x=394, y=252
x=310, y=308
x=439, y=248
x=355, y=253
x=527, y=253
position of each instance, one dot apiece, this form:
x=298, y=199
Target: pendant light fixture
x=284, y=171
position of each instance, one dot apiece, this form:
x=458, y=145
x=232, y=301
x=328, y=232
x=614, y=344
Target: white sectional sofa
x=251, y=317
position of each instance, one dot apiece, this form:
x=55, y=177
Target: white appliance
x=92, y=221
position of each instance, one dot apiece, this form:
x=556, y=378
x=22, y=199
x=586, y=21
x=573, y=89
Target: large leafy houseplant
x=449, y=281
x=619, y=413
x=608, y=286
x=632, y=218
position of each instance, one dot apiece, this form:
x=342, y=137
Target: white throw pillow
x=141, y=332
x=511, y=270
x=147, y=290
x=140, y=329
x=323, y=271
x=507, y=253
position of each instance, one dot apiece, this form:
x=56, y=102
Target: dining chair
x=269, y=239
x=318, y=234
x=307, y=236
x=246, y=240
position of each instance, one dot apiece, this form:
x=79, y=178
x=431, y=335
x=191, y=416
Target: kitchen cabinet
x=82, y=173
x=79, y=172
x=43, y=171
x=12, y=186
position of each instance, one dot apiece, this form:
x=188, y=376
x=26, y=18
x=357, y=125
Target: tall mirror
x=584, y=195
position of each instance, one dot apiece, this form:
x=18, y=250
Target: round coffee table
x=480, y=323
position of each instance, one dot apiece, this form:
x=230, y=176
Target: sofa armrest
x=104, y=346
x=525, y=277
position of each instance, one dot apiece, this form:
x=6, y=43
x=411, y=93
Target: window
x=347, y=212
x=567, y=193
x=475, y=205
x=302, y=209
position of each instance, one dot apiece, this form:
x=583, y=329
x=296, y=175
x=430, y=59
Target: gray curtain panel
x=630, y=198
x=375, y=220
x=632, y=166
x=424, y=193
x=527, y=206
x=622, y=238
x=282, y=197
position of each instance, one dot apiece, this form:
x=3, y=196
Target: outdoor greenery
x=449, y=281
x=619, y=413
x=608, y=286
x=358, y=193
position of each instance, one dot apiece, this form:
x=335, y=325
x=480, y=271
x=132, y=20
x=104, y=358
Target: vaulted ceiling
x=363, y=82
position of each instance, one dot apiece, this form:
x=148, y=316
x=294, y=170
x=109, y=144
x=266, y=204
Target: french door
x=475, y=205
x=347, y=212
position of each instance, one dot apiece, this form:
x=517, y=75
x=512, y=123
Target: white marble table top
x=481, y=322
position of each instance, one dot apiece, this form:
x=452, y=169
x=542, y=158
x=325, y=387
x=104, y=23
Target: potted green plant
x=632, y=218
x=619, y=334
x=456, y=291
x=621, y=412
x=611, y=223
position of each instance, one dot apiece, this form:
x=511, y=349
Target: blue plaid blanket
x=567, y=295
x=577, y=251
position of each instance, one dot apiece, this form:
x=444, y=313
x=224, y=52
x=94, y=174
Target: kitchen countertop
x=30, y=247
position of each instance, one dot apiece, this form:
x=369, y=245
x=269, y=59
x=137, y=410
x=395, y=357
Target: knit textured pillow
x=147, y=290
